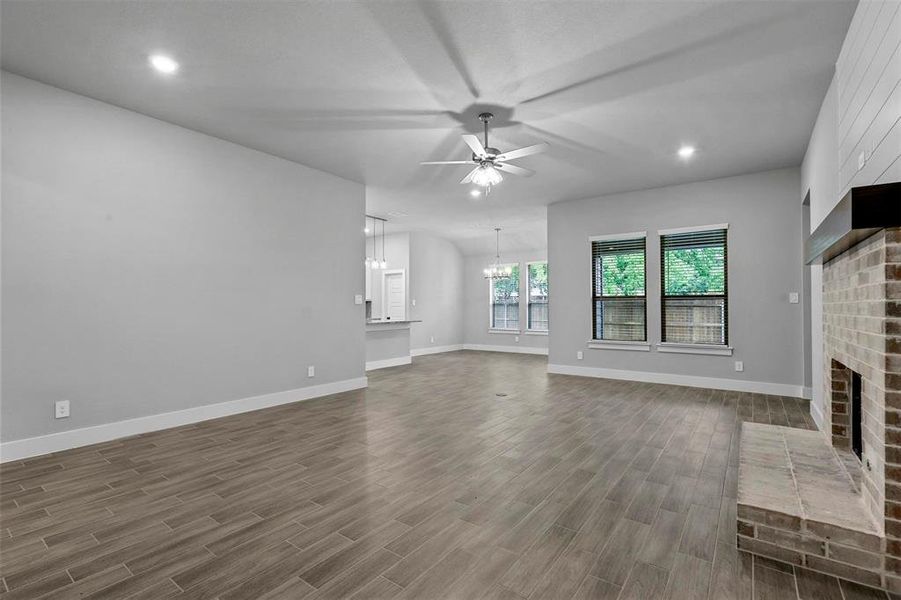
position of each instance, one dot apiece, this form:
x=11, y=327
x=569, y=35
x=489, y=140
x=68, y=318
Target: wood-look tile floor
x=466, y=475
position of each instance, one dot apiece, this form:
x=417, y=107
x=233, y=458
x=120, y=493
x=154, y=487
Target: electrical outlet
x=431, y=339
x=358, y=299
x=579, y=355
x=739, y=365
x=793, y=297
x=516, y=338
x=311, y=371
x=62, y=409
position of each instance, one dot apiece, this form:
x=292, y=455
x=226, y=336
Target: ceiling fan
x=489, y=161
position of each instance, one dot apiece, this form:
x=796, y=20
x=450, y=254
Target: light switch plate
x=358, y=299
x=516, y=338
x=311, y=371
x=793, y=297
x=739, y=365
x=579, y=355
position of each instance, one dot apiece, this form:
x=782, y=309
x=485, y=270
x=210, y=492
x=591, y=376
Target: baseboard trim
x=435, y=349
x=817, y=414
x=372, y=365
x=717, y=383
x=512, y=349
x=76, y=438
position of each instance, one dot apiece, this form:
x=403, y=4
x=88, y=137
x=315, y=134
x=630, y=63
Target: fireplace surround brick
x=862, y=333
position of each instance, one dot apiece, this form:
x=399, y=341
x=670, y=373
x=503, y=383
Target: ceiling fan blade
x=447, y=162
x=468, y=178
x=514, y=169
x=474, y=143
x=536, y=149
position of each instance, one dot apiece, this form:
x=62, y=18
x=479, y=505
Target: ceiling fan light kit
x=488, y=161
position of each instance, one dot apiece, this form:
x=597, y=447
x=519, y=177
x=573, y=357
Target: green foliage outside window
x=507, y=289
x=623, y=274
x=538, y=279
x=695, y=271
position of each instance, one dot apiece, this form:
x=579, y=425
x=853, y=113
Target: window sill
x=535, y=332
x=619, y=345
x=507, y=331
x=708, y=349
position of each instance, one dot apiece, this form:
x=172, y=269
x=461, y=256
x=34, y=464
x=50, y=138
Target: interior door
x=395, y=296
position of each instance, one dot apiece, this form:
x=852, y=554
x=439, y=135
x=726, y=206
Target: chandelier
x=497, y=270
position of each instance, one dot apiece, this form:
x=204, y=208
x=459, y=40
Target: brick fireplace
x=862, y=330
x=831, y=501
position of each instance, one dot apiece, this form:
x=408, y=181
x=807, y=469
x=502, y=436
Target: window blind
x=694, y=302
x=619, y=304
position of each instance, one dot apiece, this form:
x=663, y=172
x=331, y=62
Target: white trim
x=535, y=332
x=435, y=349
x=372, y=365
x=509, y=331
x=619, y=345
x=709, y=349
x=815, y=412
x=717, y=383
x=511, y=349
x=693, y=229
x=75, y=438
x=618, y=236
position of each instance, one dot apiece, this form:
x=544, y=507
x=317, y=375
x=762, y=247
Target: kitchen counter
x=388, y=343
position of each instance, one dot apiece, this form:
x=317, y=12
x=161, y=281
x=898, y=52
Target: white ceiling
x=366, y=90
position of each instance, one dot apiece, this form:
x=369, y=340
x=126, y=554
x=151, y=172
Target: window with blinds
x=538, y=296
x=505, y=301
x=695, y=287
x=619, y=304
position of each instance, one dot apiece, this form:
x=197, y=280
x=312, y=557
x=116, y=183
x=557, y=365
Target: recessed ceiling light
x=686, y=152
x=163, y=64
x=475, y=193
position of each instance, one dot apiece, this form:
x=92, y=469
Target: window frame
x=595, y=342
x=491, y=327
x=692, y=347
x=529, y=328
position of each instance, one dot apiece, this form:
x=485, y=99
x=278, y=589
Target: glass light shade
x=487, y=175
x=508, y=270
x=384, y=264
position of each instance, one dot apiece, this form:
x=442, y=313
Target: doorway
x=394, y=295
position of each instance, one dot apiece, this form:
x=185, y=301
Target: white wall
x=477, y=305
x=860, y=113
x=148, y=268
x=436, y=285
x=764, y=251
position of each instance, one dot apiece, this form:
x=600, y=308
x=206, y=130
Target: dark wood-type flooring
x=466, y=475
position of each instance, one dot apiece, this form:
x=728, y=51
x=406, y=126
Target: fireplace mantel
x=862, y=212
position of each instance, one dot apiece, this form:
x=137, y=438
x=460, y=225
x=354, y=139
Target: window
x=694, y=283
x=537, y=296
x=618, y=289
x=505, y=301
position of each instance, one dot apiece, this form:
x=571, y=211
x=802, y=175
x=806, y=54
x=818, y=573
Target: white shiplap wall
x=868, y=78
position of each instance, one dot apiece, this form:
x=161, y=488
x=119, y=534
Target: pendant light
x=384, y=263
x=369, y=259
x=497, y=270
